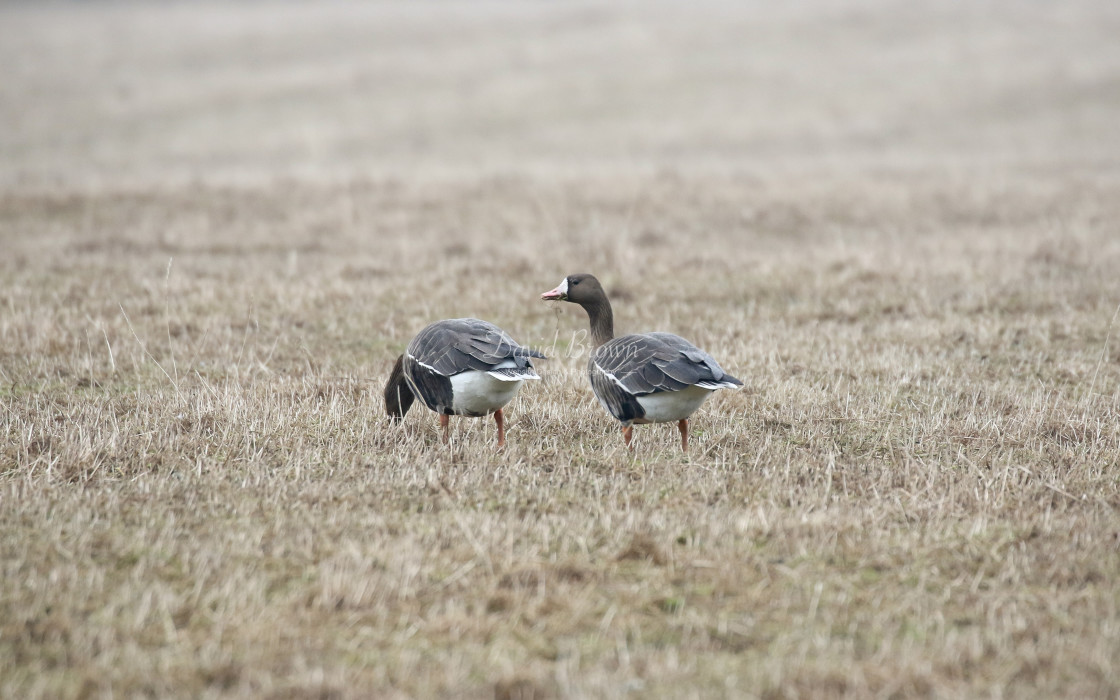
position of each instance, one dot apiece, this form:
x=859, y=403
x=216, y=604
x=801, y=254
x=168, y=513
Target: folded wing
x=649, y=363
x=459, y=345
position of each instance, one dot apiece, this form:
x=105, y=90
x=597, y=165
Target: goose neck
x=602, y=321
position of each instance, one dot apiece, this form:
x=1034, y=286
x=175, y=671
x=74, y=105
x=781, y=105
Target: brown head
x=398, y=397
x=579, y=289
x=585, y=290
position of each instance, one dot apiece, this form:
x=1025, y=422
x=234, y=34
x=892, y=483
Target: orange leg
x=444, y=420
x=501, y=421
x=683, y=426
x=628, y=434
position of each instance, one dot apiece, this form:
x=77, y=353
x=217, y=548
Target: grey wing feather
x=511, y=374
x=630, y=360
x=459, y=345
x=701, y=360
x=654, y=362
x=618, y=401
x=433, y=389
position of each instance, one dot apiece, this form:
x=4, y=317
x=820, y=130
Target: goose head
x=582, y=289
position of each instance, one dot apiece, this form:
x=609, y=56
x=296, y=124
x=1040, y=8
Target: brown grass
x=917, y=492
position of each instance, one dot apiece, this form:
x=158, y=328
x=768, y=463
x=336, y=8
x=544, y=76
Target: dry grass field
x=897, y=222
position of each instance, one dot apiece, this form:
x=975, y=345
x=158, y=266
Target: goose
x=646, y=377
x=459, y=367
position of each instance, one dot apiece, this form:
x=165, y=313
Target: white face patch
x=563, y=287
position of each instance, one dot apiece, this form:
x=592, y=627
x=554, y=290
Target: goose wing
x=448, y=348
x=463, y=344
x=692, y=359
x=638, y=365
x=653, y=362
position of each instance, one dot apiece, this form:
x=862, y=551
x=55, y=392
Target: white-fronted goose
x=460, y=367
x=646, y=377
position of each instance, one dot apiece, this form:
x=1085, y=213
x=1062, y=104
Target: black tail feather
x=398, y=397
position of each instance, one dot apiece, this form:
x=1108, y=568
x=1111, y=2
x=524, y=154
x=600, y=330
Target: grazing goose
x=459, y=367
x=643, y=378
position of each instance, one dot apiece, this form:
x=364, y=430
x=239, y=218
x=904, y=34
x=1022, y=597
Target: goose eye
x=575, y=282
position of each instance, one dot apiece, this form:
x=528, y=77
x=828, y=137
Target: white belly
x=478, y=394
x=667, y=406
